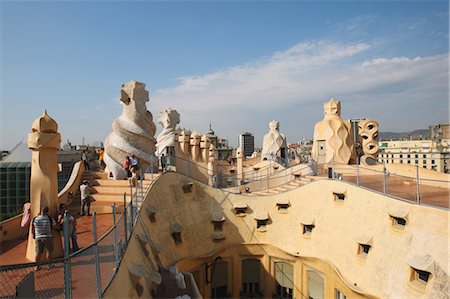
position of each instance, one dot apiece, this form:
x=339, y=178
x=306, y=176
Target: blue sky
x=236, y=64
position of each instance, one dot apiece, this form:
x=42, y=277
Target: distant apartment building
x=431, y=153
x=247, y=143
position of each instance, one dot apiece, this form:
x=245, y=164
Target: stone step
x=116, y=183
x=104, y=207
x=111, y=190
x=108, y=197
x=149, y=176
x=280, y=189
x=265, y=193
x=291, y=187
x=94, y=175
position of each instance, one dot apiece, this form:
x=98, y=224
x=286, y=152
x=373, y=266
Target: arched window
x=251, y=287
x=219, y=280
x=284, y=280
x=316, y=285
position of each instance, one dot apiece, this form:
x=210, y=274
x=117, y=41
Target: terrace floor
x=49, y=282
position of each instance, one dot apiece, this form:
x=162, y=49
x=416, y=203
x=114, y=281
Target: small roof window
x=364, y=239
x=307, y=220
x=261, y=215
x=218, y=217
x=240, y=208
x=176, y=228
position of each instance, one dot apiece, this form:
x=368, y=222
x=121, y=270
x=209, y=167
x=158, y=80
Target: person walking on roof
x=85, y=198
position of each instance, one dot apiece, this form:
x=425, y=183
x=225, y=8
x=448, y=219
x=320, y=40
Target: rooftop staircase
x=297, y=182
x=105, y=192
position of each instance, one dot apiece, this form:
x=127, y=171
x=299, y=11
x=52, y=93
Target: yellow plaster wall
x=72, y=185
x=383, y=273
x=10, y=229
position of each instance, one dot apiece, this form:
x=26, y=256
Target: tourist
x=126, y=166
x=85, y=198
x=134, y=162
x=42, y=232
x=72, y=224
x=100, y=158
x=163, y=162
x=132, y=180
x=229, y=159
x=85, y=160
x=25, y=222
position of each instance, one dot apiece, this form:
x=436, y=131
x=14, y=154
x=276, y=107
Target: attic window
x=187, y=188
x=307, y=225
x=177, y=238
x=240, y=208
x=261, y=224
x=399, y=218
x=152, y=218
x=339, y=196
x=364, y=249
x=398, y=222
x=420, y=275
x=175, y=230
x=283, y=205
x=151, y=212
x=217, y=226
x=365, y=243
x=421, y=267
x=217, y=219
x=308, y=228
x=261, y=217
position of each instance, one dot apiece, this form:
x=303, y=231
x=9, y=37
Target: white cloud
x=256, y=84
x=306, y=73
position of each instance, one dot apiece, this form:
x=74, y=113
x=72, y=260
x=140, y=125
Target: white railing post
x=357, y=174
x=417, y=184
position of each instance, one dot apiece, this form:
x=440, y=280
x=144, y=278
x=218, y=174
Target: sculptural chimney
x=44, y=142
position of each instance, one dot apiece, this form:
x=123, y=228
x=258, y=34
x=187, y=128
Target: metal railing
x=85, y=273
x=258, y=179
x=411, y=188
x=74, y=274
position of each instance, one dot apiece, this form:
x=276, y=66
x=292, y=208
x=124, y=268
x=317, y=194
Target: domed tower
x=211, y=136
x=133, y=132
x=44, y=142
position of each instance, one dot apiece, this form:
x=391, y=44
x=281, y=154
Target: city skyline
x=238, y=65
